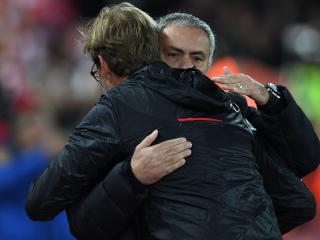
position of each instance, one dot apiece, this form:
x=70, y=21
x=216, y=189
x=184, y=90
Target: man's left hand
x=243, y=84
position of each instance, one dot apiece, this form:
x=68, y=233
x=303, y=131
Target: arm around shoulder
x=291, y=133
x=91, y=150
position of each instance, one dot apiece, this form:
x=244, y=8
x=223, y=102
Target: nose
x=186, y=62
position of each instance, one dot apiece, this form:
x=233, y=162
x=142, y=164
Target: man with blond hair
x=178, y=103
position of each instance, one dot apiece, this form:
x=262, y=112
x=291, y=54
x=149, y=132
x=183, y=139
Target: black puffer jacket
x=122, y=118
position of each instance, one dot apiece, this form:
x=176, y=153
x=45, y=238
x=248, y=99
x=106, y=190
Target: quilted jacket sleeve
x=108, y=211
x=291, y=134
x=289, y=150
x=92, y=149
x=293, y=203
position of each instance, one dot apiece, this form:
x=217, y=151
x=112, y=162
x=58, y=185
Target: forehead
x=189, y=39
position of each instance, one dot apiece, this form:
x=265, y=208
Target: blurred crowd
x=45, y=85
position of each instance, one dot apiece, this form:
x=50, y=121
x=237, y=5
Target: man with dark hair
x=219, y=193
x=178, y=49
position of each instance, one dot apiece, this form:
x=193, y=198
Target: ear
x=104, y=68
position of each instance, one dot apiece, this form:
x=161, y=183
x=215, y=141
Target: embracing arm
x=91, y=150
x=290, y=148
x=282, y=122
x=290, y=132
x=109, y=210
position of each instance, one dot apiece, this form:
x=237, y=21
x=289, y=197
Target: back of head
x=187, y=20
x=125, y=36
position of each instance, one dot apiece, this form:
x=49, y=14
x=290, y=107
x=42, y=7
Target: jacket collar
x=188, y=87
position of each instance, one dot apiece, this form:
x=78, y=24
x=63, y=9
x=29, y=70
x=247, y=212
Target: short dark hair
x=187, y=20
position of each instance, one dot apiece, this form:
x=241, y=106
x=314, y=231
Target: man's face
x=185, y=47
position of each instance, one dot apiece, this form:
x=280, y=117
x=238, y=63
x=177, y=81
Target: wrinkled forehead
x=188, y=39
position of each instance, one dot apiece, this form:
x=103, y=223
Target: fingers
x=148, y=140
x=175, y=149
x=169, y=143
x=178, y=156
x=150, y=163
x=235, y=87
x=174, y=166
x=238, y=82
x=231, y=83
x=174, y=157
x=228, y=79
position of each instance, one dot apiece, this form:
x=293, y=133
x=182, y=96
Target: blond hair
x=125, y=36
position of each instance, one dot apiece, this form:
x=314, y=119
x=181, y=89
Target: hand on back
x=150, y=163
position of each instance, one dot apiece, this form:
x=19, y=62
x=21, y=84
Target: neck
x=114, y=81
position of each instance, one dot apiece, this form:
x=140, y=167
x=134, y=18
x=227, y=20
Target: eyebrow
x=181, y=51
x=175, y=49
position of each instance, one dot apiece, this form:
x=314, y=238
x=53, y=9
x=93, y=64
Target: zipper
x=236, y=109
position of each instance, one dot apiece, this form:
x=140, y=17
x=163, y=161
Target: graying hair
x=188, y=20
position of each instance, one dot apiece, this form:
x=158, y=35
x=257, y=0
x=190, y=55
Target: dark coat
x=156, y=98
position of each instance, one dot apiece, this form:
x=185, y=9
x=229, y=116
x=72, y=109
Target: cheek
x=202, y=66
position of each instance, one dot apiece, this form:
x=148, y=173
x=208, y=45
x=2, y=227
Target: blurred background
x=45, y=85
